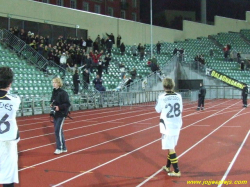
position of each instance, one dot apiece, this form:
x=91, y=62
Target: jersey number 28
x=174, y=110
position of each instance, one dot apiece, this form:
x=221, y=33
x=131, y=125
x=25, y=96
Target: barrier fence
x=91, y=100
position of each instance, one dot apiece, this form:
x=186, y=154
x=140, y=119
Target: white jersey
x=170, y=106
x=8, y=108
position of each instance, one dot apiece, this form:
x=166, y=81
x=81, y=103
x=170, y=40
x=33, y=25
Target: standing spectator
x=63, y=60
x=244, y=95
x=112, y=37
x=40, y=49
x=89, y=63
x=142, y=52
x=100, y=67
x=201, y=97
x=118, y=41
x=84, y=44
x=158, y=47
x=106, y=62
x=89, y=44
x=95, y=46
x=239, y=57
x=95, y=59
x=242, y=65
x=170, y=124
x=98, y=42
x=76, y=82
x=109, y=44
x=122, y=70
x=134, y=50
x=103, y=44
x=16, y=31
x=85, y=76
x=9, y=136
x=23, y=35
x=122, y=48
x=139, y=48
x=60, y=103
x=47, y=40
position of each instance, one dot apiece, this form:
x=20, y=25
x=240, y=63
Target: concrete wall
x=131, y=32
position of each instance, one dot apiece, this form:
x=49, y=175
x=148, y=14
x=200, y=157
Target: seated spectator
x=127, y=83
x=133, y=74
x=153, y=65
x=175, y=51
x=122, y=70
x=98, y=83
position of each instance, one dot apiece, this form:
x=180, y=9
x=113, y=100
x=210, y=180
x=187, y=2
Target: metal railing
x=41, y=105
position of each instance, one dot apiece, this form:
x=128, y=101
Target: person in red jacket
x=95, y=58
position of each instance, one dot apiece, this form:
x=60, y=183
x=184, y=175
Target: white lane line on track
x=72, y=178
x=86, y=126
x=201, y=125
x=195, y=113
x=92, y=134
x=152, y=176
x=110, y=160
x=80, y=116
x=85, y=113
x=84, y=149
x=233, y=126
x=234, y=159
x=121, y=156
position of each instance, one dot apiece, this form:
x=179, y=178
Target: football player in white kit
x=9, y=135
x=170, y=106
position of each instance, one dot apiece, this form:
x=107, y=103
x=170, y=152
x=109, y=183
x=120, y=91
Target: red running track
x=114, y=147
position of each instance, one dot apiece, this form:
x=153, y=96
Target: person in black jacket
x=59, y=110
x=201, y=97
x=85, y=76
x=76, y=82
x=122, y=48
x=244, y=95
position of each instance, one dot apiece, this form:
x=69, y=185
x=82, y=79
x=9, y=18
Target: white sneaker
x=58, y=151
x=64, y=150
